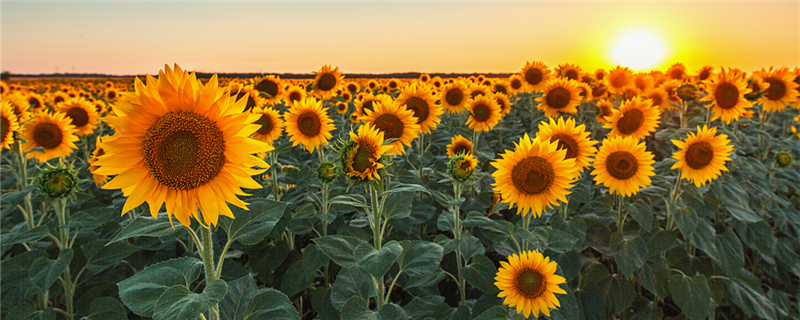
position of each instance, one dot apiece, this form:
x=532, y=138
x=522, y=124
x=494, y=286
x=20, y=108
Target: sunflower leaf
x=251, y=226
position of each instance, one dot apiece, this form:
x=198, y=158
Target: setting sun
x=638, y=50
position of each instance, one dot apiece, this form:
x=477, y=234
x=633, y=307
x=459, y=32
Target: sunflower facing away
x=574, y=139
x=534, y=175
x=623, y=165
x=636, y=118
x=419, y=98
x=308, y=124
x=560, y=96
x=82, y=113
x=360, y=157
x=328, y=81
x=529, y=282
x=485, y=113
x=702, y=157
x=535, y=76
x=726, y=93
x=782, y=89
x=459, y=144
x=395, y=122
x=8, y=124
x=51, y=131
x=184, y=144
x=454, y=97
x=270, y=125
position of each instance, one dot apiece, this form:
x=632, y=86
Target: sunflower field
x=553, y=193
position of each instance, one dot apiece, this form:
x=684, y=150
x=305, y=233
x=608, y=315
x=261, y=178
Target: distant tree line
x=404, y=75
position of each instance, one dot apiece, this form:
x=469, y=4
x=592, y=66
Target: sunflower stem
x=377, y=239
x=526, y=222
x=60, y=207
x=273, y=163
x=208, y=263
x=621, y=214
x=23, y=174
x=564, y=211
x=457, y=236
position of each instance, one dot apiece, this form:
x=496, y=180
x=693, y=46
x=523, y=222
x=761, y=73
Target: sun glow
x=638, y=49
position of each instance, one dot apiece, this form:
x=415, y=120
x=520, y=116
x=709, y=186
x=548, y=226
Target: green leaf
x=107, y=308
x=537, y=239
x=270, y=304
x=560, y=241
x=353, y=200
x=659, y=241
x=749, y=297
x=422, y=306
x=375, y=262
x=495, y=230
x=16, y=269
x=654, y=276
x=80, y=220
x=295, y=279
x=731, y=252
x=321, y=301
x=419, y=258
x=446, y=221
x=592, y=302
x=100, y=255
x=619, y=294
x=496, y=312
x=692, y=295
x=760, y=237
x=685, y=220
x=146, y=227
x=351, y=282
x=141, y=292
x=396, y=187
x=628, y=254
x=398, y=205
x=25, y=311
x=232, y=306
x=179, y=303
x=424, y=281
x=339, y=249
x=480, y=274
x=251, y=226
x=31, y=235
x=471, y=246
x=641, y=212
x=569, y=309
x=45, y=271
x=313, y=259
x=357, y=309
x=12, y=199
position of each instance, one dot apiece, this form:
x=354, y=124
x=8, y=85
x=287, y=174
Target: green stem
x=526, y=222
x=564, y=211
x=273, y=157
x=208, y=263
x=391, y=286
x=377, y=238
x=457, y=235
x=621, y=214
x=23, y=174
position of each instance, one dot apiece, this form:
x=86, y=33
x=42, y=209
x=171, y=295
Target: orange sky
x=384, y=37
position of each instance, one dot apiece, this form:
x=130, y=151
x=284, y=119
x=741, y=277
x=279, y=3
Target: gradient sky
x=383, y=37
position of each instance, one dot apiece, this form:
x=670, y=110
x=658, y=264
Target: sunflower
x=454, y=97
x=392, y=85
x=500, y=86
x=111, y=94
x=353, y=87
x=618, y=78
x=623, y=165
x=60, y=96
x=584, y=91
x=51, y=131
x=599, y=74
x=419, y=99
x=8, y=124
x=308, y=124
x=536, y=174
x=82, y=113
x=574, y=139
x=3, y=88
x=677, y=71
x=535, y=76
x=341, y=107
x=529, y=282
x=504, y=103
x=782, y=89
x=515, y=83
x=659, y=98
x=254, y=100
x=372, y=84
x=758, y=87
x=705, y=73
x=702, y=157
x=478, y=90
x=328, y=81
x=643, y=81
x=636, y=118
x=424, y=77
x=294, y=94
x=271, y=85
x=560, y=96
x=270, y=125
x=184, y=144
x=461, y=167
x=99, y=179
x=360, y=157
x=726, y=93
x=458, y=144
x=437, y=82
x=485, y=113
x=569, y=71
x=20, y=105
x=395, y=122
x=368, y=102
x=36, y=101
x=604, y=109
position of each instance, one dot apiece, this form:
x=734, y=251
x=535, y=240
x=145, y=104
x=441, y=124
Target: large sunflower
x=360, y=157
x=328, y=81
x=270, y=125
x=419, y=98
x=574, y=139
x=454, y=97
x=529, y=282
x=51, y=131
x=623, y=165
x=308, y=124
x=560, y=96
x=782, y=89
x=535, y=76
x=272, y=86
x=535, y=175
x=702, y=157
x=82, y=113
x=20, y=104
x=635, y=118
x=367, y=102
x=184, y=144
x=485, y=113
x=8, y=124
x=459, y=144
x=36, y=101
x=726, y=93
x=395, y=122
x=619, y=78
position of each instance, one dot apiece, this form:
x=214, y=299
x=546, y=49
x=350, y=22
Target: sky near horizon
x=383, y=37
